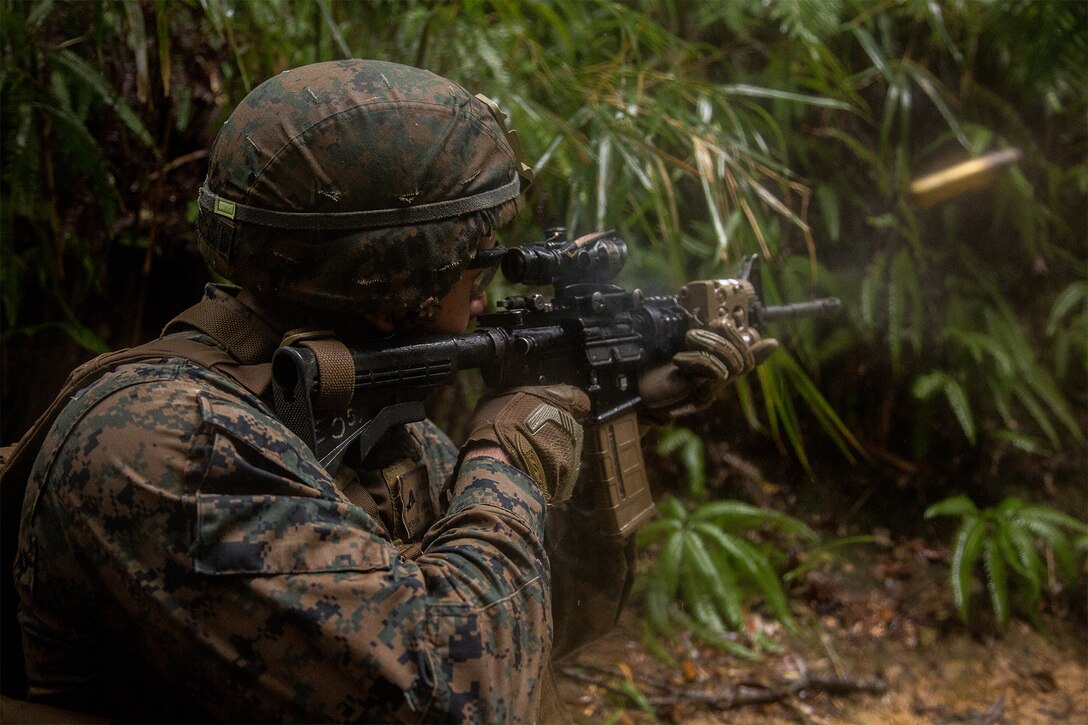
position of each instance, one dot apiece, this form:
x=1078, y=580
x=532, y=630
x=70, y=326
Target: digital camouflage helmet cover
x=357, y=186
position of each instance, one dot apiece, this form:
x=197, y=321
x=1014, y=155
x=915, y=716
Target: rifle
x=591, y=334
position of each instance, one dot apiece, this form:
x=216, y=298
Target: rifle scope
x=598, y=258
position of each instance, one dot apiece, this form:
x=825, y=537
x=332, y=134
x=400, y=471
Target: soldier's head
x=359, y=189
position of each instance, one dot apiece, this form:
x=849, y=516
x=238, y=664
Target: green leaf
x=871, y=288
x=673, y=509
x=85, y=337
x=1059, y=544
x=716, y=637
x=738, y=515
x=39, y=13
x=630, y=689
x=703, y=568
x=729, y=513
x=927, y=385
x=929, y=85
x=754, y=91
x=1023, y=441
x=83, y=71
x=656, y=604
x=822, y=553
x=1051, y=516
x=1031, y=566
x=654, y=531
x=1071, y=298
x=732, y=605
x=654, y=646
x=997, y=580
x=957, y=400
x=669, y=563
x=756, y=566
x=698, y=599
x=954, y=506
x=966, y=548
x=692, y=456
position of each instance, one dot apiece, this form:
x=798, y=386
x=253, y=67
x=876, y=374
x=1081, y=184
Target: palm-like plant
x=1008, y=538
x=51, y=98
x=707, y=566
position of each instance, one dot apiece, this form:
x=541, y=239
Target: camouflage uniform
x=183, y=556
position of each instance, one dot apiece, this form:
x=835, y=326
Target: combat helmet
x=357, y=186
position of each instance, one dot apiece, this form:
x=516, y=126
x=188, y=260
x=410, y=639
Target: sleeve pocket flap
x=283, y=535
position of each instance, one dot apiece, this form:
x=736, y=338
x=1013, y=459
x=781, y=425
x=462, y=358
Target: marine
x=183, y=556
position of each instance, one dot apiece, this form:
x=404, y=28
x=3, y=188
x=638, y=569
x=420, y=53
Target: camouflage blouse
x=184, y=557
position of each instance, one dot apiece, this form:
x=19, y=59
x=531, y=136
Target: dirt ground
x=878, y=643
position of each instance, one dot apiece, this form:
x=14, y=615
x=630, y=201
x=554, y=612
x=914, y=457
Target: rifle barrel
x=822, y=307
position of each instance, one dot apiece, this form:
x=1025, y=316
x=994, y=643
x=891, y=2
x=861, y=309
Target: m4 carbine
x=591, y=334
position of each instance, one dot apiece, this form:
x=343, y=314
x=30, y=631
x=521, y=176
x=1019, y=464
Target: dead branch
x=730, y=697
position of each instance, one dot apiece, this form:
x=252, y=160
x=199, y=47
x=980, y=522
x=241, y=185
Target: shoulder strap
x=249, y=343
x=248, y=338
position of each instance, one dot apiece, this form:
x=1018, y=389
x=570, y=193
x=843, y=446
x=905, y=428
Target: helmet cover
x=356, y=186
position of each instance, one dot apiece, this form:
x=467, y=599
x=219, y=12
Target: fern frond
x=698, y=599
x=1023, y=441
x=652, y=642
x=1059, y=544
x=1052, y=516
x=996, y=580
x=755, y=565
x=966, y=549
x=1071, y=298
x=656, y=603
x=957, y=400
x=716, y=638
x=692, y=456
x=738, y=515
x=979, y=344
x=1038, y=413
x=84, y=72
x=702, y=567
x=669, y=563
x=954, y=506
x=655, y=531
x=1031, y=567
x=731, y=604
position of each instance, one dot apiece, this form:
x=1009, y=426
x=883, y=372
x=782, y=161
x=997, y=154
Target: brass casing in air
x=955, y=180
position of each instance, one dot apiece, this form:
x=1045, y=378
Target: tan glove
x=538, y=429
x=697, y=376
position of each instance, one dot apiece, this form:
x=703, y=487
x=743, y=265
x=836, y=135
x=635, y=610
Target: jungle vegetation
x=700, y=131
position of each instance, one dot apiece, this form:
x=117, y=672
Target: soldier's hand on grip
x=538, y=428
x=697, y=376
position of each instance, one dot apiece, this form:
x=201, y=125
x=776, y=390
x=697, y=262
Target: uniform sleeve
x=251, y=583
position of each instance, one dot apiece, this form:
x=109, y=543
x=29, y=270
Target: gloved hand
x=697, y=376
x=538, y=429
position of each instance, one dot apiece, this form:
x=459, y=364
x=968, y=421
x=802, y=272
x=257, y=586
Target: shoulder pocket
x=283, y=535
x=247, y=452
x=265, y=506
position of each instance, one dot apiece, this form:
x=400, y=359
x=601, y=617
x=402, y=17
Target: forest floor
x=879, y=642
